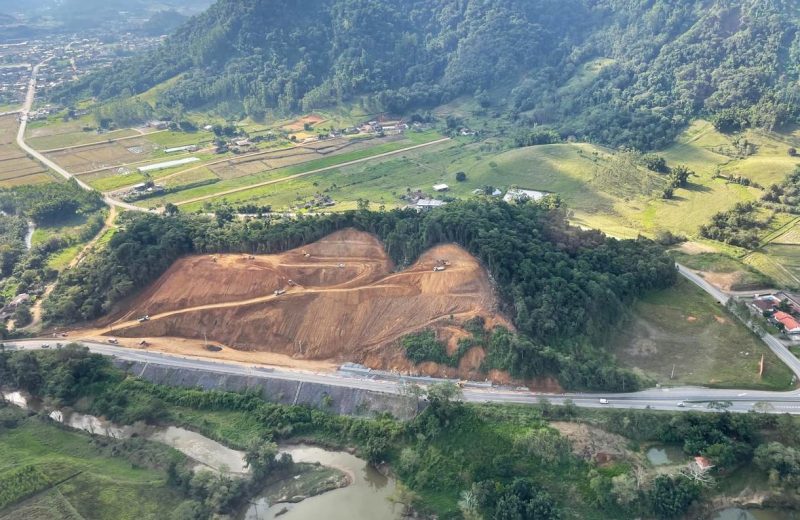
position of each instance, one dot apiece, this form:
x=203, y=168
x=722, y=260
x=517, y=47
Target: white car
x=603, y=401
x=681, y=404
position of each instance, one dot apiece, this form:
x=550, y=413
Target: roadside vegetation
x=559, y=461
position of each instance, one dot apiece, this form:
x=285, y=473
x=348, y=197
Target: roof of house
x=703, y=462
x=430, y=203
x=787, y=320
x=440, y=187
x=765, y=305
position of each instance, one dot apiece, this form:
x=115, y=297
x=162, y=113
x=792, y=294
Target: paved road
x=23, y=125
x=774, y=344
x=694, y=398
x=698, y=280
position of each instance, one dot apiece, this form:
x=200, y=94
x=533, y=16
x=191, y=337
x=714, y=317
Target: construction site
x=337, y=300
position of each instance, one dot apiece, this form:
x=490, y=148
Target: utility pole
x=672, y=376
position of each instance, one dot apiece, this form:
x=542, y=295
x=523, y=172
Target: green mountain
x=615, y=71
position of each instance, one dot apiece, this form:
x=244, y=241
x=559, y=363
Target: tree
x=261, y=458
x=170, y=209
x=27, y=372
x=224, y=213
x=461, y=176
x=671, y=496
x=624, y=489
x=792, y=152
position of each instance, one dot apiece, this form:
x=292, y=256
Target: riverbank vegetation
x=564, y=287
x=454, y=460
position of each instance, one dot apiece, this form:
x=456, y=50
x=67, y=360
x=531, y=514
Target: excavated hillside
x=342, y=301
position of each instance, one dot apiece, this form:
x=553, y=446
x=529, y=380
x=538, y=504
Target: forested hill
x=615, y=71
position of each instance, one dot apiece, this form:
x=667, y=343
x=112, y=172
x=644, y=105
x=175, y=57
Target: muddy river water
x=366, y=498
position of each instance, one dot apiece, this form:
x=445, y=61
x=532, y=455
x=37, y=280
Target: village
x=65, y=57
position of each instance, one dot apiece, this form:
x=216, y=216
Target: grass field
x=93, y=484
x=741, y=276
x=707, y=345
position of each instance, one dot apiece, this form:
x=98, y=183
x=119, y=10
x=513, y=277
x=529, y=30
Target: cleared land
x=344, y=302
x=724, y=272
x=707, y=346
x=16, y=167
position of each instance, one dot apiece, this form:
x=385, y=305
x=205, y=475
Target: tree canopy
x=613, y=71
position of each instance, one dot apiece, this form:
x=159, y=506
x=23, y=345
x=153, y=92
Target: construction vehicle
x=291, y=283
x=113, y=341
x=438, y=268
x=278, y=292
x=341, y=266
x=305, y=254
x=144, y=318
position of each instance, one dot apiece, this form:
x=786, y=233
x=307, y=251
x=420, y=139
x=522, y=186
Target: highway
x=692, y=398
x=23, y=125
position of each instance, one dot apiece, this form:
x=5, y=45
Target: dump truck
x=278, y=292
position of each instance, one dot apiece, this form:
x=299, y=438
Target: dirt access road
x=339, y=299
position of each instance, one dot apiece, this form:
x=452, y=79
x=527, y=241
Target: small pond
x=734, y=513
x=663, y=455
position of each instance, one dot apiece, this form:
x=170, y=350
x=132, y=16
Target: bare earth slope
x=345, y=303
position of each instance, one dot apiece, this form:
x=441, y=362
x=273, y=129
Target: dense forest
x=565, y=288
x=619, y=72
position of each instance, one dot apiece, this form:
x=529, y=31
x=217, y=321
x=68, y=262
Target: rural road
x=694, y=398
x=312, y=172
x=771, y=341
x=23, y=125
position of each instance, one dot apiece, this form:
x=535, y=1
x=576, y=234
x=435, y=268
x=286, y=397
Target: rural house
x=790, y=325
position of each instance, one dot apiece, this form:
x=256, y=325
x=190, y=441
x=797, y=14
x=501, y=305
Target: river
x=367, y=497
x=28, y=233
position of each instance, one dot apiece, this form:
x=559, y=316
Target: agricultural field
x=76, y=478
x=15, y=166
x=56, y=133
x=286, y=164
x=681, y=326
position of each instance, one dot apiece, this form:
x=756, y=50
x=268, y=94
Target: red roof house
x=791, y=325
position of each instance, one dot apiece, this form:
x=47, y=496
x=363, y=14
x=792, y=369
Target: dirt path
x=36, y=310
x=312, y=172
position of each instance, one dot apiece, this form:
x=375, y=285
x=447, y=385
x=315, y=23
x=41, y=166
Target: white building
x=517, y=195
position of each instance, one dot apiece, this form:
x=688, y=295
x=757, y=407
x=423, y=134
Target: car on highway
x=113, y=341
x=603, y=401
x=45, y=345
x=681, y=404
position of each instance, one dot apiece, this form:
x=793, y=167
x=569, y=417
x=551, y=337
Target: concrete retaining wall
x=335, y=399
